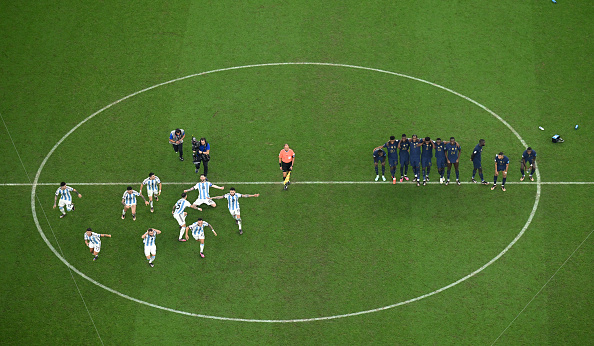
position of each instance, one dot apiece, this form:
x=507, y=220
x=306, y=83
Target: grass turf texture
x=361, y=246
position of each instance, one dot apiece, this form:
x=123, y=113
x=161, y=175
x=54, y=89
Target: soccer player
x=129, y=201
x=392, y=147
x=403, y=146
x=65, y=198
x=233, y=204
x=198, y=233
x=426, y=156
x=453, y=150
x=286, y=160
x=379, y=155
x=440, y=158
x=528, y=156
x=151, y=188
x=180, y=215
x=501, y=165
x=203, y=188
x=176, y=138
x=150, y=248
x=93, y=242
x=415, y=157
x=475, y=157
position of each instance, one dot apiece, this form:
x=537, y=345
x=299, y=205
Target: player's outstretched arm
x=78, y=193
x=213, y=231
x=217, y=197
x=218, y=187
x=190, y=189
x=195, y=207
x=106, y=235
x=255, y=195
x=145, y=201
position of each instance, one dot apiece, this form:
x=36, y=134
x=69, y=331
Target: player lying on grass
x=233, y=204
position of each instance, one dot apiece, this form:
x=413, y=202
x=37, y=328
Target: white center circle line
x=520, y=234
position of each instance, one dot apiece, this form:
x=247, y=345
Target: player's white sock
x=201, y=247
x=152, y=259
x=151, y=204
x=239, y=223
x=62, y=210
x=181, y=232
x=123, y=211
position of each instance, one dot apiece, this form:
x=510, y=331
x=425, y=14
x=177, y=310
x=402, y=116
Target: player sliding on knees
x=203, y=188
x=198, y=233
x=233, y=204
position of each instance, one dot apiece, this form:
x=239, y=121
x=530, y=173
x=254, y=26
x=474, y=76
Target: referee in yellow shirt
x=286, y=160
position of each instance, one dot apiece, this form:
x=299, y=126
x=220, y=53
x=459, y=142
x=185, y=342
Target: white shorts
x=152, y=193
x=234, y=212
x=95, y=247
x=63, y=202
x=150, y=250
x=129, y=205
x=198, y=236
x=199, y=202
x=181, y=218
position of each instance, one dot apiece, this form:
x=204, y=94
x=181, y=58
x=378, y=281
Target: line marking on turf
x=43, y=210
x=543, y=286
x=304, y=182
x=61, y=258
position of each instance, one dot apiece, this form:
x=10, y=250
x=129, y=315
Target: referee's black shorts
x=286, y=166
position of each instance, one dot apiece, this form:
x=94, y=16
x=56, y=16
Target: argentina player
x=233, y=204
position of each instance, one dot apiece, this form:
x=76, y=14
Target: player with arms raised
x=233, y=204
x=151, y=188
x=65, y=198
x=180, y=215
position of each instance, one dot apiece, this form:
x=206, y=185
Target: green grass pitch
x=320, y=250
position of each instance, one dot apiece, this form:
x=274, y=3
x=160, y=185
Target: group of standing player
x=419, y=153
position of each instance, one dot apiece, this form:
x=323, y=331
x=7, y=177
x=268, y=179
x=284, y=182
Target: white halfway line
x=304, y=182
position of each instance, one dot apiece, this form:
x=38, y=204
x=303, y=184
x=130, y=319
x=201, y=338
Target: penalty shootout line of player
x=306, y=183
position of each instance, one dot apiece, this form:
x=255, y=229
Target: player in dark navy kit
x=415, y=157
x=404, y=146
x=501, y=165
x=528, y=156
x=440, y=158
x=426, y=156
x=379, y=155
x=475, y=157
x=391, y=146
x=453, y=150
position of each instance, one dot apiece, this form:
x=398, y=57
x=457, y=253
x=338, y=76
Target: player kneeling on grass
x=150, y=248
x=203, y=188
x=233, y=204
x=129, y=202
x=180, y=215
x=501, y=165
x=198, y=233
x=93, y=241
x=65, y=198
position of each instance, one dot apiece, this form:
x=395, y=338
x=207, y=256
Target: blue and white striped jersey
x=232, y=201
x=180, y=205
x=203, y=189
x=152, y=184
x=95, y=238
x=196, y=229
x=65, y=193
x=130, y=198
x=149, y=240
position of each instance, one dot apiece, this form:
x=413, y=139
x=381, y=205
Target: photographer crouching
x=201, y=153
